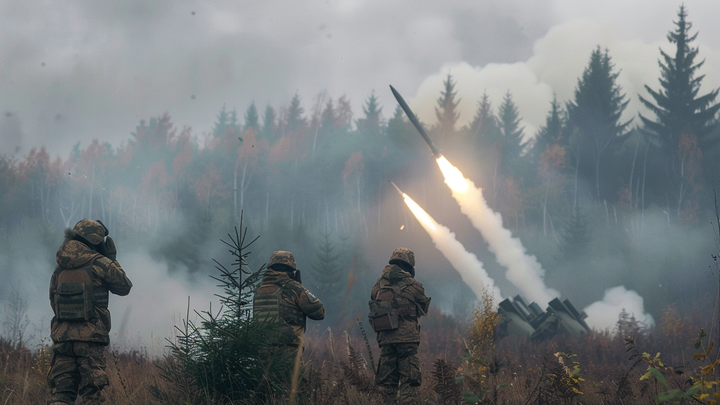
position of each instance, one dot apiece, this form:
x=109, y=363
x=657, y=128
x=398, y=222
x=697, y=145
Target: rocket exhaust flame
x=425, y=219
x=467, y=264
x=453, y=178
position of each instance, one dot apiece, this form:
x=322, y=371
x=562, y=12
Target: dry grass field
x=601, y=368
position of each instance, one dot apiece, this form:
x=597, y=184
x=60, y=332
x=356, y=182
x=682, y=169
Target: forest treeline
x=321, y=168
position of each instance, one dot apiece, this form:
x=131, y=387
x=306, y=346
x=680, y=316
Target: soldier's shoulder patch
x=311, y=296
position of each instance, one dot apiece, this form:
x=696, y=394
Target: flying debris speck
x=8, y=114
x=402, y=227
x=193, y=13
x=42, y=64
x=192, y=97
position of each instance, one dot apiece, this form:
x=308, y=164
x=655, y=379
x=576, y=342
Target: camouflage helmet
x=92, y=231
x=282, y=257
x=403, y=254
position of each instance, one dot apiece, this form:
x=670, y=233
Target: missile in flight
x=397, y=188
x=433, y=149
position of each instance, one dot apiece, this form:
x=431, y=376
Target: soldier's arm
x=418, y=292
x=310, y=304
x=113, y=276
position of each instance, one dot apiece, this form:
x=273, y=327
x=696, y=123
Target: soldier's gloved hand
x=108, y=248
x=297, y=277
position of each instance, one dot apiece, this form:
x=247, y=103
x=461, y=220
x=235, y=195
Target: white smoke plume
x=523, y=270
x=604, y=314
x=466, y=263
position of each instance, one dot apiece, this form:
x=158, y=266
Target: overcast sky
x=76, y=70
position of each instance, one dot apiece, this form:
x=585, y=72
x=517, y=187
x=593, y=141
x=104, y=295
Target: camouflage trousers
x=77, y=368
x=398, y=375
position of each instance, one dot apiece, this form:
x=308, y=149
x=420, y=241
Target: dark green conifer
x=551, y=133
x=678, y=108
x=576, y=236
x=252, y=120
x=295, y=120
x=446, y=110
x=512, y=133
x=594, y=125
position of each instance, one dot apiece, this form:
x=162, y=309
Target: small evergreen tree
x=295, y=120
x=576, y=236
x=400, y=129
x=252, y=120
x=551, y=133
x=269, y=128
x=228, y=358
x=484, y=124
x=328, y=274
x=328, y=118
x=446, y=110
x=225, y=121
x=370, y=125
x=512, y=134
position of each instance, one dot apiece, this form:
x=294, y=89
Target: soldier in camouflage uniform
x=78, y=363
x=282, y=300
x=398, y=375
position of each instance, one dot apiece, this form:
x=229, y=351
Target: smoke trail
x=523, y=270
x=467, y=264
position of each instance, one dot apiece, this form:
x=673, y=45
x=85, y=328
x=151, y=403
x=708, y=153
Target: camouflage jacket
x=106, y=274
x=408, y=330
x=297, y=299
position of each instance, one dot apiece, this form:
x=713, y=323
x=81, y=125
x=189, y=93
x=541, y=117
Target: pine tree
x=551, y=133
x=328, y=117
x=252, y=120
x=221, y=123
x=445, y=112
x=576, y=236
x=678, y=108
x=269, y=129
x=512, y=134
x=233, y=123
x=295, y=120
x=401, y=130
x=370, y=125
x=484, y=129
x=594, y=123
x=328, y=273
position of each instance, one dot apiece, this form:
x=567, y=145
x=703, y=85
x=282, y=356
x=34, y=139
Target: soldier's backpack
x=268, y=308
x=74, y=296
x=387, y=308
